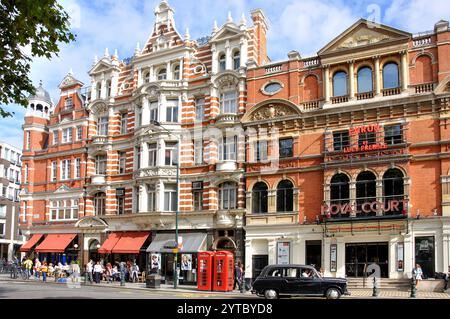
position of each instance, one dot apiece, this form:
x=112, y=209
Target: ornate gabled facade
x=346, y=156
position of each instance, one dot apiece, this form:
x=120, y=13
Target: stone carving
x=227, y=80
x=157, y=171
x=362, y=37
x=272, y=111
x=68, y=81
x=100, y=108
x=62, y=189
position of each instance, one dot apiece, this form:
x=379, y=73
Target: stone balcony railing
x=422, y=42
x=98, y=179
x=273, y=69
x=339, y=99
x=311, y=106
x=390, y=92
x=227, y=119
x=424, y=88
x=99, y=139
x=364, y=96
x=311, y=62
x=165, y=171
x=226, y=166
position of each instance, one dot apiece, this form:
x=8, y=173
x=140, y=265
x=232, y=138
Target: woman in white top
x=135, y=272
x=417, y=273
x=98, y=270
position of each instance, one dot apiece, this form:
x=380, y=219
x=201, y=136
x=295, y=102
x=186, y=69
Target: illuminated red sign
x=365, y=147
x=367, y=207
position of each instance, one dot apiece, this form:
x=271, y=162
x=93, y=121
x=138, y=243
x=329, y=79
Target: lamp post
x=175, y=271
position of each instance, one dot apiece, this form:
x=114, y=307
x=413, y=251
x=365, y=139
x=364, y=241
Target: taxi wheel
x=270, y=294
x=333, y=293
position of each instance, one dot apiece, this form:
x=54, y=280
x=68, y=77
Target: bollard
x=413, y=287
x=375, y=287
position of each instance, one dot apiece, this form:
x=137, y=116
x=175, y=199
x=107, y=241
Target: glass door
x=425, y=255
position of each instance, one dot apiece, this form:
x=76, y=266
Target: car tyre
x=333, y=293
x=270, y=294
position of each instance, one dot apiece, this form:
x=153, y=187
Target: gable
x=364, y=33
x=100, y=67
x=225, y=32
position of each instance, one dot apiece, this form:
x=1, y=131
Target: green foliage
x=39, y=25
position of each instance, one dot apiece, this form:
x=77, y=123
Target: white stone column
x=181, y=69
x=160, y=196
x=326, y=82
x=405, y=67
x=409, y=254
x=140, y=79
x=393, y=240
x=214, y=64
x=272, y=251
x=248, y=259
x=244, y=52
x=161, y=148
x=326, y=261
x=351, y=80
x=169, y=70
x=142, y=199
x=145, y=111
x=340, y=258
x=228, y=57
x=152, y=76
x=144, y=155
x=299, y=252
x=377, y=76
x=162, y=102
x=103, y=89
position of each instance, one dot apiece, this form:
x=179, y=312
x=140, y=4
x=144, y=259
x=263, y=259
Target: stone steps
x=383, y=283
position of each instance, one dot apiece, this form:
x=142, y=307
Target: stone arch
x=217, y=243
x=424, y=69
x=250, y=186
x=418, y=55
x=310, y=87
x=443, y=87
x=330, y=177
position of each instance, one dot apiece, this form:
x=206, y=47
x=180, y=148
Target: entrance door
x=258, y=263
x=314, y=253
x=359, y=256
x=425, y=255
x=167, y=270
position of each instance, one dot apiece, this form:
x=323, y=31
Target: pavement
x=20, y=289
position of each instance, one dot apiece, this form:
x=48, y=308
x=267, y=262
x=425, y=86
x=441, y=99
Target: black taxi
x=297, y=280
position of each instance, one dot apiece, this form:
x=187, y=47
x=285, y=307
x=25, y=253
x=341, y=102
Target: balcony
x=98, y=179
x=422, y=41
x=423, y=88
x=339, y=99
x=311, y=106
x=364, y=96
x=226, y=166
x=274, y=69
x=227, y=119
x=165, y=171
x=99, y=140
x=391, y=92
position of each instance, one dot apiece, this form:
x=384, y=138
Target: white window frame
x=25, y=174
x=198, y=152
x=162, y=76
x=67, y=135
x=228, y=148
x=172, y=111
x=55, y=137
x=228, y=192
x=229, y=102
x=154, y=111
x=59, y=209
x=77, y=168
x=171, y=150
x=54, y=171
x=152, y=154
x=170, y=200
x=151, y=198
x=79, y=133
x=123, y=123
x=65, y=169
x=102, y=126
x=28, y=137
x=200, y=109
x=101, y=164
x=122, y=162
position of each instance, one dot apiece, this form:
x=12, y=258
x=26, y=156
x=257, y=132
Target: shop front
x=29, y=247
x=58, y=248
x=163, y=251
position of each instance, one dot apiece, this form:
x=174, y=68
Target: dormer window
x=222, y=62
x=236, y=60
x=162, y=75
x=68, y=103
x=176, y=72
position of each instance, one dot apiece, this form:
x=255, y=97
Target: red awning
x=55, y=243
x=109, y=243
x=130, y=243
x=31, y=243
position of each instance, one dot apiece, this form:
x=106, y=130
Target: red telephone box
x=205, y=268
x=223, y=271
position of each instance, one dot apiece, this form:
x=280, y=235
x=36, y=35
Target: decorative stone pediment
x=226, y=32
x=63, y=189
x=102, y=66
x=91, y=222
x=69, y=80
x=271, y=110
x=363, y=33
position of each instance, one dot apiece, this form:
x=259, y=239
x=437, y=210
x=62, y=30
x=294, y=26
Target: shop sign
x=333, y=257
x=366, y=147
x=400, y=257
x=283, y=253
x=367, y=207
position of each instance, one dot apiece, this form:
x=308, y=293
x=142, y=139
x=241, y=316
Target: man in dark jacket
x=237, y=276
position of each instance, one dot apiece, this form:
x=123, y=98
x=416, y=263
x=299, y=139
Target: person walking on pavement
x=98, y=270
x=237, y=276
x=75, y=272
x=44, y=270
x=28, y=266
x=418, y=274
x=37, y=267
x=134, y=273
x=89, y=270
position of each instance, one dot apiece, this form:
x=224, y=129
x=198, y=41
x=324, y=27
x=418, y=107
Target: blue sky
x=302, y=25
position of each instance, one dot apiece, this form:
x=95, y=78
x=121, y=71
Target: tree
x=39, y=25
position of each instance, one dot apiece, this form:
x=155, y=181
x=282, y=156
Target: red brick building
x=347, y=155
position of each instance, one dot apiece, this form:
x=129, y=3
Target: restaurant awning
x=55, y=243
x=130, y=243
x=109, y=243
x=31, y=243
x=190, y=243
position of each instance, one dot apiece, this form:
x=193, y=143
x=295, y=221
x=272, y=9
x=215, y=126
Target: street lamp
x=175, y=273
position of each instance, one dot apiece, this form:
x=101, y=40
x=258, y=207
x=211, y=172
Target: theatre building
x=347, y=155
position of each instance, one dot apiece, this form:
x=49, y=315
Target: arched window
x=146, y=77
x=99, y=91
x=227, y=195
x=365, y=83
x=340, y=84
x=39, y=107
x=393, y=190
x=162, y=74
x=424, y=69
x=222, y=62
x=285, y=196
x=340, y=189
x=259, y=196
x=236, y=60
x=366, y=189
x=176, y=72
x=311, y=90
x=100, y=204
x=391, y=79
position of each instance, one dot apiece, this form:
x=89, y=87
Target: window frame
x=280, y=148
x=229, y=101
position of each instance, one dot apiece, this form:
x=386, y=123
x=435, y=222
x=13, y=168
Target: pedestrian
x=89, y=270
x=447, y=279
x=98, y=270
x=75, y=271
x=36, y=269
x=135, y=273
x=417, y=274
x=44, y=270
x=237, y=276
x=28, y=263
